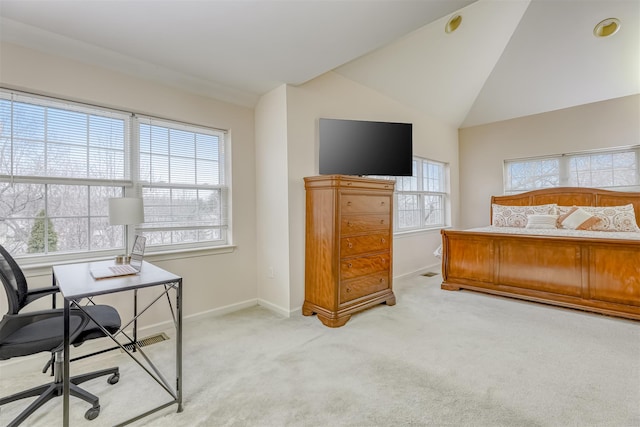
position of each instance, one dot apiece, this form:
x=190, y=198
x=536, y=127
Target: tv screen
x=353, y=147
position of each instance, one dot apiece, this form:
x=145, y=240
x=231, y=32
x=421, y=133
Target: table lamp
x=125, y=211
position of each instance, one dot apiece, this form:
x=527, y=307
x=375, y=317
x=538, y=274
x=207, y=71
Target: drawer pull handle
x=381, y=203
x=348, y=223
x=348, y=290
x=350, y=245
x=383, y=240
x=381, y=280
x=382, y=221
x=348, y=203
x=349, y=183
x=349, y=265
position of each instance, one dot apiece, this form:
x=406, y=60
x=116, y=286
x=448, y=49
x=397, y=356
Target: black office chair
x=27, y=333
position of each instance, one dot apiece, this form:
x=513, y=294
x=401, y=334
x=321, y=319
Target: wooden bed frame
x=593, y=274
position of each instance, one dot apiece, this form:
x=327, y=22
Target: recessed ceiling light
x=453, y=23
x=607, y=27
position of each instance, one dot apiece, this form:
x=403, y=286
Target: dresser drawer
x=360, y=203
x=357, y=245
x=362, y=266
x=350, y=224
x=362, y=286
x=348, y=246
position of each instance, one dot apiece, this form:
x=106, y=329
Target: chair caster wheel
x=92, y=413
x=113, y=379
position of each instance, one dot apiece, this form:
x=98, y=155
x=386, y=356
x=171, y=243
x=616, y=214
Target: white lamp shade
x=126, y=211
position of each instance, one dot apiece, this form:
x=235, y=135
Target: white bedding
x=620, y=235
x=624, y=235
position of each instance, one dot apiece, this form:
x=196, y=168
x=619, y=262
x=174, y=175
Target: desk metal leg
x=179, y=346
x=140, y=356
x=65, y=368
x=135, y=317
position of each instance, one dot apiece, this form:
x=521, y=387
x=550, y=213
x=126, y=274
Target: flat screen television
x=354, y=147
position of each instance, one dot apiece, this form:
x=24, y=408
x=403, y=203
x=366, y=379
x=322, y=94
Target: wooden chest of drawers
x=349, y=236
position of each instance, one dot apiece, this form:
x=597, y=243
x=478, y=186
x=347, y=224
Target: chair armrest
x=34, y=294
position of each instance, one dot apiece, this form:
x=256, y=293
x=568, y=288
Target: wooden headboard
x=572, y=196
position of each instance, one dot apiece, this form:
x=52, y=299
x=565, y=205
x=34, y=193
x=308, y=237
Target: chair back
x=14, y=282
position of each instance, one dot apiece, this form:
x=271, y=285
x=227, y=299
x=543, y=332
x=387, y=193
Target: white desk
x=75, y=283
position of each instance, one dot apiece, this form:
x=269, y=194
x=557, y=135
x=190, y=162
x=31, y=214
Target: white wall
x=267, y=176
x=606, y=124
x=271, y=200
x=211, y=282
x=333, y=96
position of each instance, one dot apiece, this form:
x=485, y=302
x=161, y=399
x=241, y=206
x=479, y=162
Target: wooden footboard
x=588, y=274
x=599, y=275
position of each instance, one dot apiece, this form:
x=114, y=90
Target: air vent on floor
x=430, y=274
x=145, y=342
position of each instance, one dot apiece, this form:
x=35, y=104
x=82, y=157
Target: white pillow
x=578, y=219
x=612, y=218
x=516, y=216
x=542, y=221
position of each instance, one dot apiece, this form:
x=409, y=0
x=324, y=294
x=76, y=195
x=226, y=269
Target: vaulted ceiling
x=507, y=59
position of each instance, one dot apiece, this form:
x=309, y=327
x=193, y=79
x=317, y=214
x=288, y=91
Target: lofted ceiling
x=507, y=59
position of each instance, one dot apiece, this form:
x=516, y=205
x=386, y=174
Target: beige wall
x=211, y=282
x=271, y=201
x=272, y=150
x=483, y=149
x=287, y=151
x=269, y=162
x=333, y=96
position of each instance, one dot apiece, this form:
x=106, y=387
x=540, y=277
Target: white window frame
x=221, y=188
x=562, y=176
x=416, y=184
x=130, y=184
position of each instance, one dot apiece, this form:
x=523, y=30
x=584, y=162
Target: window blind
x=611, y=168
x=183, y=182
x=46, y=138
x=59, y=163
x=420, y=199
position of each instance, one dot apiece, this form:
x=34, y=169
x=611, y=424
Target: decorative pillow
x=578, y=219
x=612, y=218
x=542, y=221
x=516, y=216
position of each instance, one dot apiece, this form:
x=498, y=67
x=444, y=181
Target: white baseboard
x=95, y=345
x=435, y=267
x=168, y=325
x=296, y=312
x=275, y=308
x=219, y=311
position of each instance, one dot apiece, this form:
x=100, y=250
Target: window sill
x=44, y=268
x=409, y=233
x=167, y=255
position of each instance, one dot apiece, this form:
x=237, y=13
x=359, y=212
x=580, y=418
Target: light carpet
x=437, y=358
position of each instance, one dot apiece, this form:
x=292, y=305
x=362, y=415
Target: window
x=183, y=183
x=420, y=199
x=613, y=169
x=618, y=168
x=60, y=162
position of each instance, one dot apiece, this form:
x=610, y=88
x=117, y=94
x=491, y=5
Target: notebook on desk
x=137, y=254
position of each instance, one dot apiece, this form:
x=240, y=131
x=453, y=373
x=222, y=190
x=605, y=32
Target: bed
x=596, y=271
